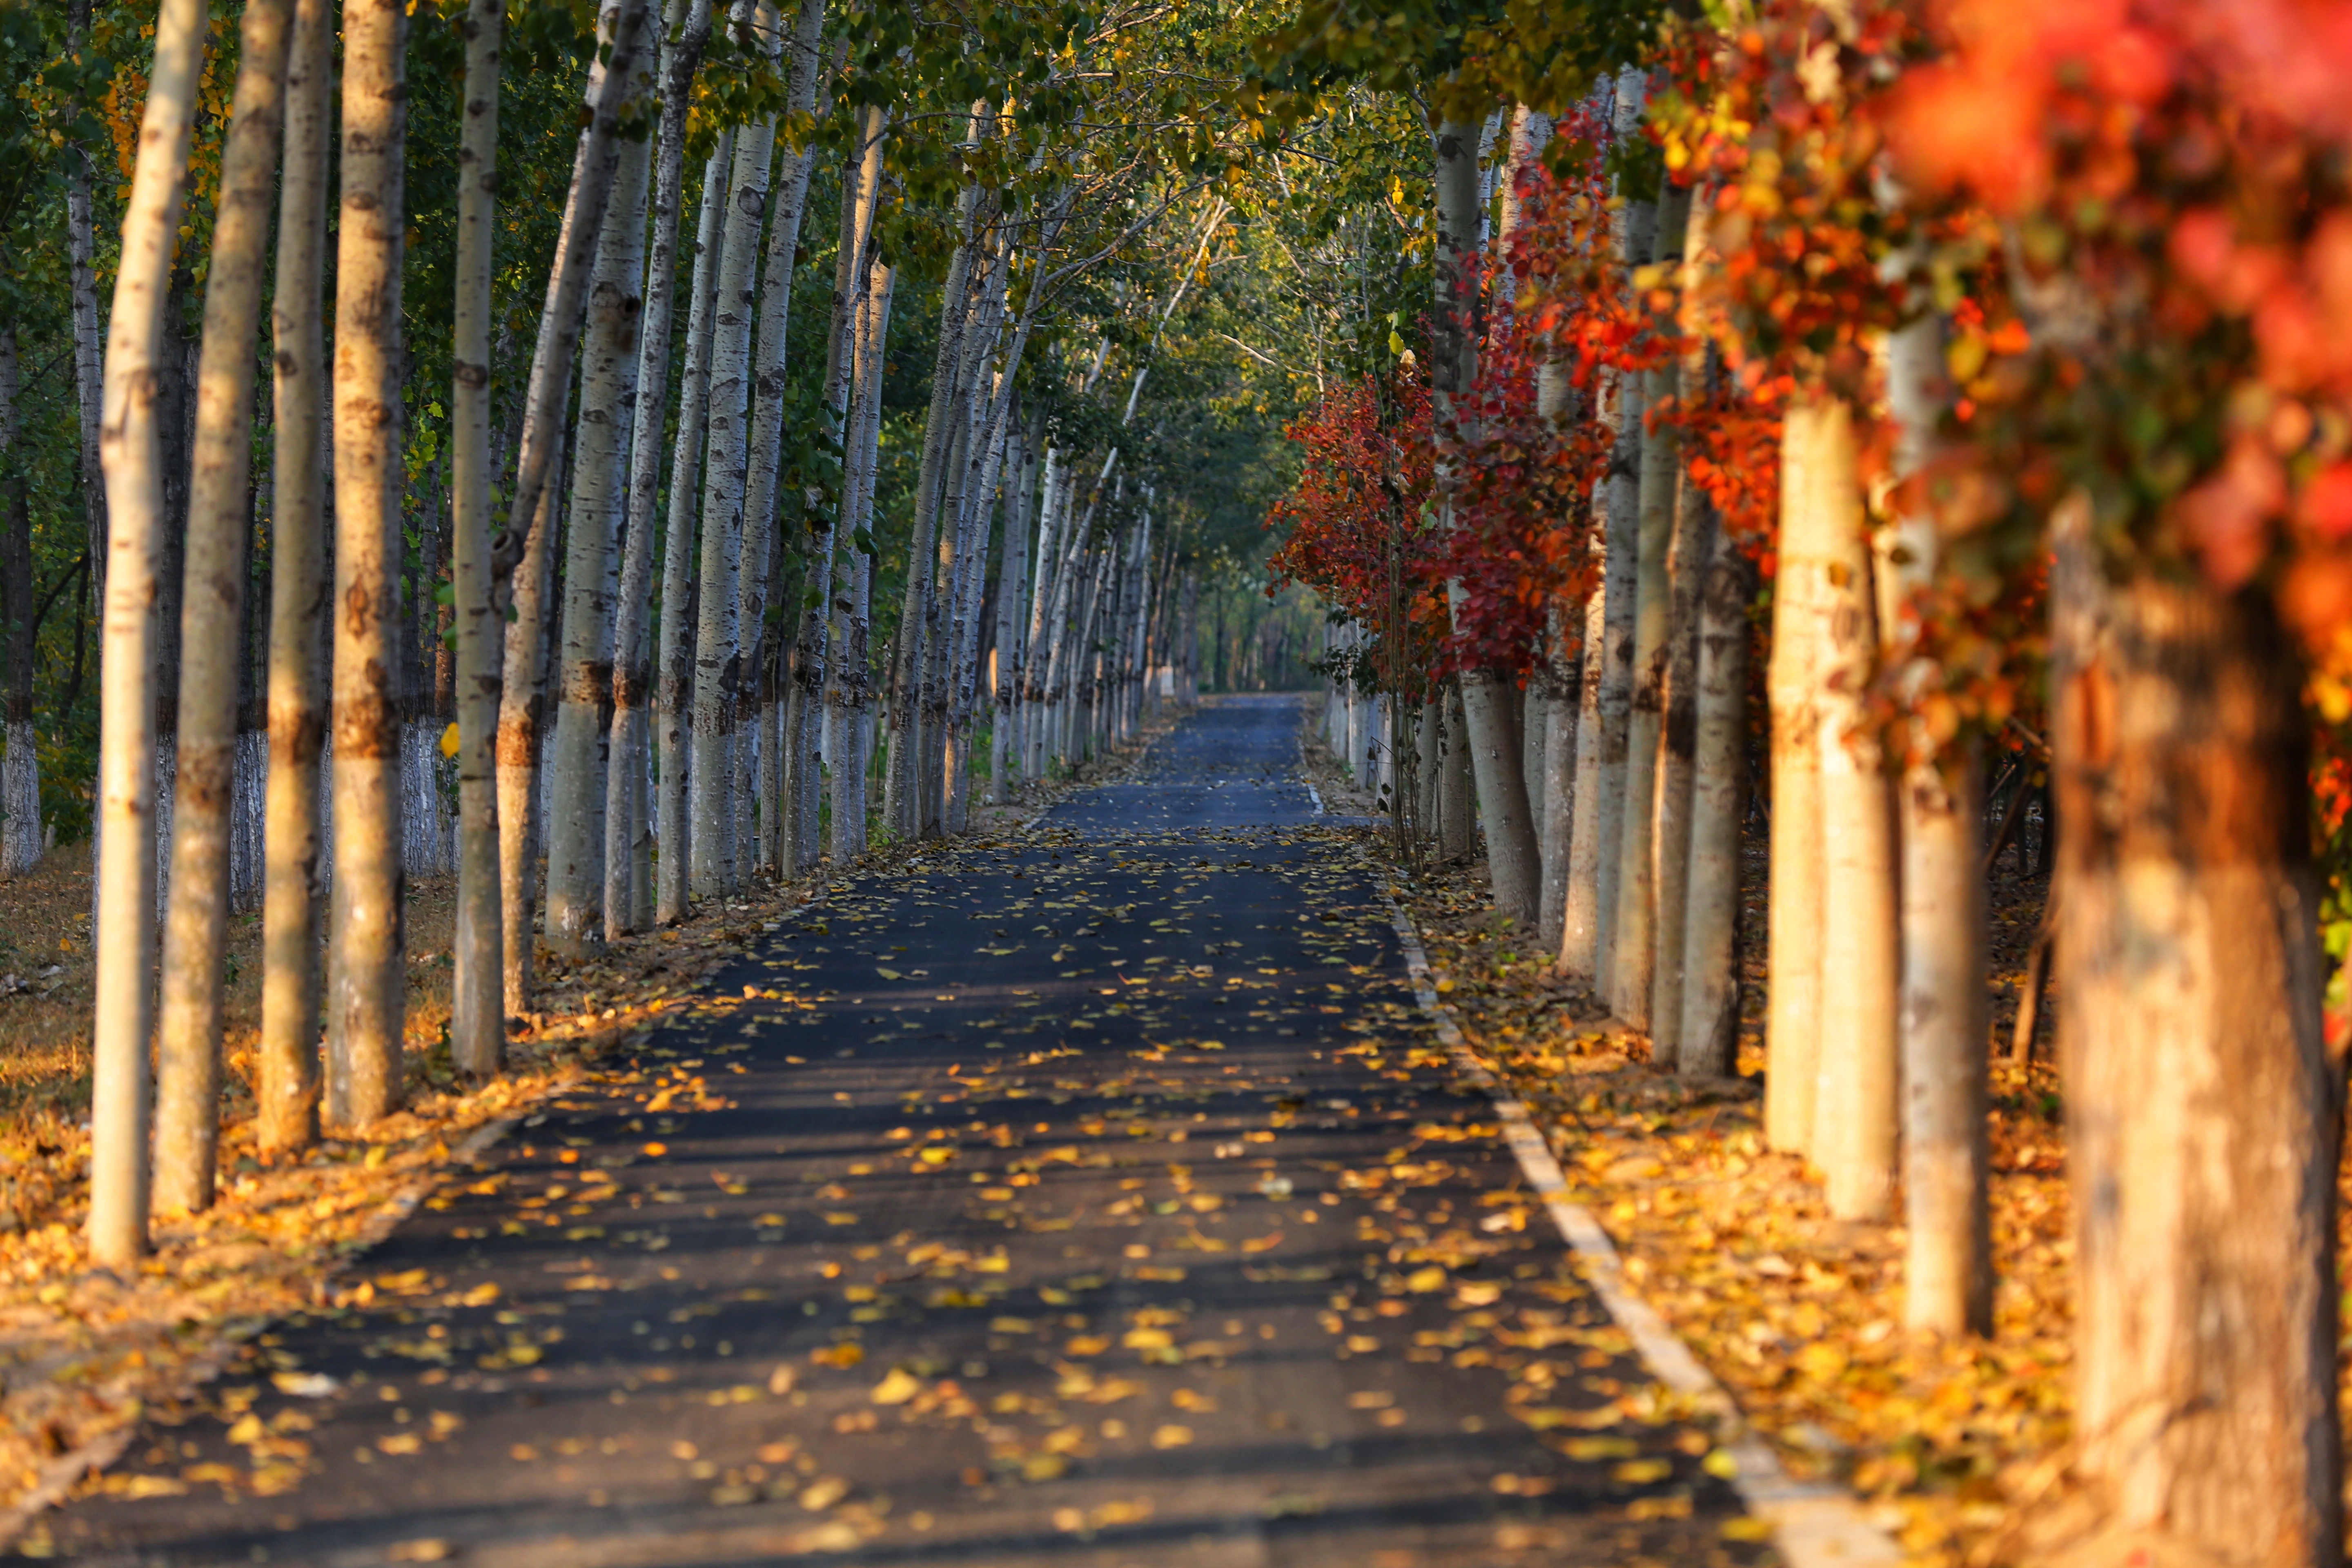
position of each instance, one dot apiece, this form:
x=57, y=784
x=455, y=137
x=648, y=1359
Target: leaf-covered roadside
x=84, y=1350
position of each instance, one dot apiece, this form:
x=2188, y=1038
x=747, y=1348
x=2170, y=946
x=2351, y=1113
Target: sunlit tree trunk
x=1947, y=1266
x=367, y=980
x=628, y=826
x=287, y=1072
x=674, y=695
x=2204, y=1110
x=1687, y=562
x=188, y=1044
x=1589, y=924
x=1633, y=942
x=1854, y=1140
x=524, y=549
x=1708, y=1035
x=131, y=451
x=600, y=474
x=20, y=778
x=477, y=1021
x=718, y=661
x=1798, y=663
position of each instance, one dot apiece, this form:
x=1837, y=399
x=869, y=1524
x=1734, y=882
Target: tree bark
x=1012, y=594
x=124, y=935
x=1947, y=1269
x=718, y=656
x=1708, y=1035
x=20, y=777
x=673, y=697
x=1854, y=1141
x=2204, y=1110
x=367, y=977
x=523, y=555
x=1495, y=755
x=1688, y=559
x=599, y=493
x=89, y=341
x=188, y=1046
x=817, y=672
x=769, y=370
x=853, y=589
x=477, y=1021
x=288, y=1086
x=1793, y=1021
x=628, y=826
x=1633, y=945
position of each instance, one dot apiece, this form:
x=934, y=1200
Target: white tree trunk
x=673, y=695
x=591, y=586
x=628, y=823
x=20, y=777
x=852, y=676
x=195, y=936
x=1708, y=1035
x=1860, y=979
x=131, y=451
x=1793, y=964
x=367, y=973
x=717, y=655
x=1947, y=1266
x=525, y=549
x=287, y=1072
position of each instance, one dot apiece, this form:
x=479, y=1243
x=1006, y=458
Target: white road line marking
x=1815, y=1525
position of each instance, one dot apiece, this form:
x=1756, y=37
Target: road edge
x=60, y=1475
x=1815, y=1525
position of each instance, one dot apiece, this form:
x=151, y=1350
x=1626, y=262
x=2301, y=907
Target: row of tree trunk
x=677, y=756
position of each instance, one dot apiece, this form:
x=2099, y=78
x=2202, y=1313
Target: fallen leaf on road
x=431, y=1549
x=1171, y=1437
x=898, y=1388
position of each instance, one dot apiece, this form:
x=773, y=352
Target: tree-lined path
x=1094, y=1194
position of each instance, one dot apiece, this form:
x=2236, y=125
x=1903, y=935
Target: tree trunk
x=288, y=1086
x=124, y=935
x=718, y=656
x=673, y=697
x=1634, y=944
x=2204, y=1110
x=599, y=493
x=367, y=977
x=1590, y=922
x=902, y=787
x=1793, y=1022
x=20, y=778
x=1495, y=755
x=477, y=1021
x=81, y=249
x=1854, y=1141
x=818, y=670
x=1688, y=560
x=1947, y=1269
x=188, y=1046
x=853, y=681
x=1708, y=1035
x=1012, y=594
x=524, y=554
x=628, y=828
x=771, y=391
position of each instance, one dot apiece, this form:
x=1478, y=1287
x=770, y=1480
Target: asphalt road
x=1091, y=1196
